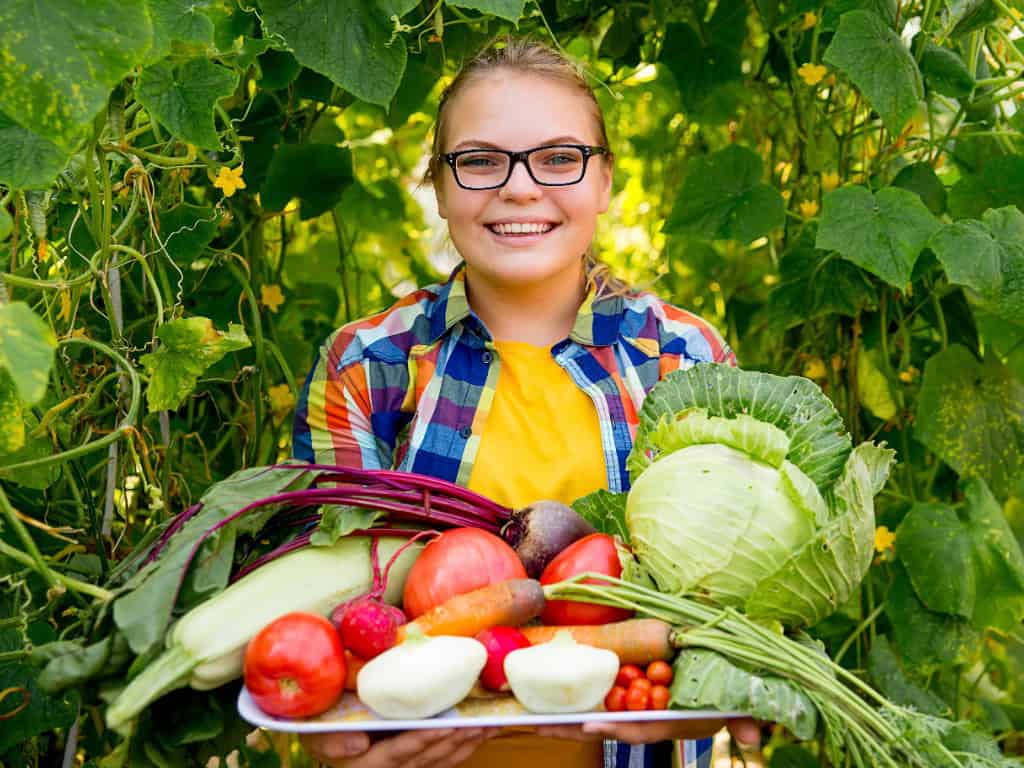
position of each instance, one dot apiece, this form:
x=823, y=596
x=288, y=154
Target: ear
x=605, y=191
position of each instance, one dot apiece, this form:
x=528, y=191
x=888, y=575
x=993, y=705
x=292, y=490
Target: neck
x=540, y=314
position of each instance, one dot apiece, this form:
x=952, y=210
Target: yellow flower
x=884, y=538
x=271, y=296
x=812, y=73
x=809, y=209
x=281, y=401
x=815, y=368
x=229, y=180
x=810, y=19
x=829, y=181
x=910, y=375
x=65, y=307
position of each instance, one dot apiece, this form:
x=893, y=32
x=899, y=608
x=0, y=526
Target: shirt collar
x=597, y=321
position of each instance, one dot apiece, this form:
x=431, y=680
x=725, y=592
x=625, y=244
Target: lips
x=521, y=227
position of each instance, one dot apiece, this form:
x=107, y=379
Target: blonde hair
x=529, y=57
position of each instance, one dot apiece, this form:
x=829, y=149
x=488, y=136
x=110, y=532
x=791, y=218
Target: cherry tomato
x=627, y=674
x=596, y=553
x=660, y=696
x=458, y=561
x=615, y=701
x=659, y=672
x=641, y=684
x=295, y=666
x=637, y=699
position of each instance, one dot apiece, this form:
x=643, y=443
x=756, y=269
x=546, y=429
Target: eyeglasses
x=555, y=165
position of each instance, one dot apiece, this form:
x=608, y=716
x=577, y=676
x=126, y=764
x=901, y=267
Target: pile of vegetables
x=750, y=519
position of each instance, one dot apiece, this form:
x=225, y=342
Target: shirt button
x=466, y=432
x=487, y=357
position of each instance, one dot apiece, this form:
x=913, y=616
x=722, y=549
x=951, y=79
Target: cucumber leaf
x=606, y=511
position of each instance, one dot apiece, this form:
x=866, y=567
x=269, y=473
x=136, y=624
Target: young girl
x=521, y=376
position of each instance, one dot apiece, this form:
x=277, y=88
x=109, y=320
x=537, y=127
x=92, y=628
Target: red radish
x=499, y=642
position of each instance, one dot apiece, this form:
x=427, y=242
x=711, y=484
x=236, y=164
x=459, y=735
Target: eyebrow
x=474, y=143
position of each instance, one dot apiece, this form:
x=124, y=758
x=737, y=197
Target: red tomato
x=615, y=701
x=659, y=697
x=458, y=561
x=659, y=672
x=596, y=553
x=637, y=699
x=641, y=684
x=627, y=674
x=295, y=666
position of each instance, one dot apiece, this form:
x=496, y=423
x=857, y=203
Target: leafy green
x=920, y=178
x=182, y=97
x=27, y=160
x=186, y=230
x=890, y=679
x=188, y=347
x=945, y=71
x=971, y=415
x=337, y=520
x=999, y=184
x=317, y=174
x=871, y=54
x=26, y=350
x=815, y=284
x=504, y=9
x=42, y=712
x=707, y=680
x=723, y=196
x=349, y=41
x=604, y=510
x=883, y=233
x=177, y=20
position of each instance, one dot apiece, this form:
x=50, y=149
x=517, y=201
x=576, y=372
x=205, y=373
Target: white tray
x=350, y=714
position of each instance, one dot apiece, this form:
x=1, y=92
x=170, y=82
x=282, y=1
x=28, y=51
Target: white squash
x=561, y=675
x=421, y=677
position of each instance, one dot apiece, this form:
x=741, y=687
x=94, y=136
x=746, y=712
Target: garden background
x=194, y=193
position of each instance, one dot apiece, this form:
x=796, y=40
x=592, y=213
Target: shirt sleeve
x=687, y=338
x=349, y=412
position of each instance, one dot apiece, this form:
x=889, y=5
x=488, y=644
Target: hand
x=743, y=730
x=436, y=748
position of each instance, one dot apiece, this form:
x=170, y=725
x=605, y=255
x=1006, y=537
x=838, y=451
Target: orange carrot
x=352, y=666
x=505, y=603
x=634, y=641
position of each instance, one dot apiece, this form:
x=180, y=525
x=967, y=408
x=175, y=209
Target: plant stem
x=51, y=576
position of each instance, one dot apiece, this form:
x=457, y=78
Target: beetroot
x=367, y=627
x=541, y=530
x=499, y=642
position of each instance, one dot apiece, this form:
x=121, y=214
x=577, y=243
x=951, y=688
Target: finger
x=408, y=745
x=463, y=752
x=441, y=751
x=568, y=732
x=746, y=731
x=335, y=746
x=648, y=733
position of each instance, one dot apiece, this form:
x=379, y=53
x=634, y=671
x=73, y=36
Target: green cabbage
x=746, y=491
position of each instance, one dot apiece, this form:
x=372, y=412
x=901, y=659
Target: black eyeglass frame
x=587, y=151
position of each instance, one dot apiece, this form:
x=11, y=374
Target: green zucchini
x=206, y=646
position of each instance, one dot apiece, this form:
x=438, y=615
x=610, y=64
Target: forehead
x=519, y=111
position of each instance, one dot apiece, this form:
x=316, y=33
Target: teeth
x=516, y=228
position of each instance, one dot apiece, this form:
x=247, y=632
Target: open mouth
x=520, y=229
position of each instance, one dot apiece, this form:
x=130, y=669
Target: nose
x=520, y=184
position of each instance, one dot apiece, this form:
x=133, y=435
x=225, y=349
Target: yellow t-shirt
x=541, y=440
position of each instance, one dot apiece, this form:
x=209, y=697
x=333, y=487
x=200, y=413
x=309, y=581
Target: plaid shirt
x=410, y=388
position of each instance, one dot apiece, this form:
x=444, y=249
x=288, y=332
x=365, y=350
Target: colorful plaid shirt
x=410, y=388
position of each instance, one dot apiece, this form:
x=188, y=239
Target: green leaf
x=504, y=9
x=26, y=350
x=871, y=54
x=891, y=681
x=987, y=584
x=926, y=640
x=723, y=197
x=1001, y=183
x=76, y=665
x=698, y=70
x=144, y=610
x=27, y=160
x=59, y=60
x=182, y=97
x=337, y=520
x=874, y=390
x=819, y=444
x=606, y=511
x=920, y=179
x=706, y=680
x=882, y=233
x=971, y=415
x=186, y=230
x=187, y=348
x=349, y=41
x=968, y=15
x=317, y=174
x=177, y=20
x=987, y=256
x=44, y=712
x=12, y=416
x=827, y=570
x=814, y=283
x=277, y=69
x=945, y=72
x=792, y=756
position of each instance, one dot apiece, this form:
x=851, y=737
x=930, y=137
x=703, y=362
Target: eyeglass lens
x=549, y=165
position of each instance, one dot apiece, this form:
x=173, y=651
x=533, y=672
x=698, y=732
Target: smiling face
x=523, y=233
